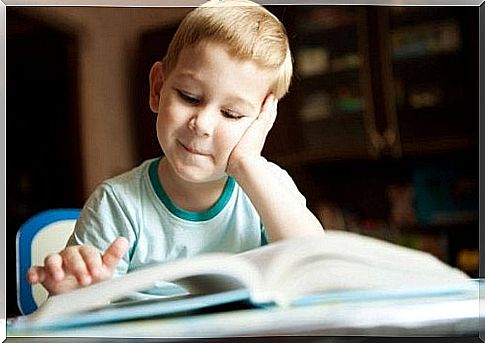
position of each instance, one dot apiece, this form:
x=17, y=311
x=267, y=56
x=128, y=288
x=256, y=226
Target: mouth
x=192, y=150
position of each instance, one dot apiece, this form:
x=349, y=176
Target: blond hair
x=248, y=30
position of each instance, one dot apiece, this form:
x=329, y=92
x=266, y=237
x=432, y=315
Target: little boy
x=215, y=94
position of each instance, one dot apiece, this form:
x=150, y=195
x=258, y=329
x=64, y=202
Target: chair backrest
x=44, y=233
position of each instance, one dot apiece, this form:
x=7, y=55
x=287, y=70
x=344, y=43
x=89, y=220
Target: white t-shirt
x=134, y=205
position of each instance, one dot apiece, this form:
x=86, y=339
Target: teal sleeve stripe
x=264, y=238
x=188, y=215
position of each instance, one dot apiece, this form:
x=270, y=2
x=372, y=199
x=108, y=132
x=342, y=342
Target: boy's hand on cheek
x=252, y=141
x=77, y=266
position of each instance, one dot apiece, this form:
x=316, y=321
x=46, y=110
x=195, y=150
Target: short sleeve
x=286, y=179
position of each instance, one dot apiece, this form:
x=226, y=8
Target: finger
x=273, y=113
x=53, y=267
x=269, y=111
x=92, y=259
x=75, y=265
x=35, y=275
x=115, y=252
x=267, y=104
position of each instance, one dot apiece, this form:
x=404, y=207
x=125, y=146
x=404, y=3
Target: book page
x=200, y=274
x=277, y=259
x=341, y=260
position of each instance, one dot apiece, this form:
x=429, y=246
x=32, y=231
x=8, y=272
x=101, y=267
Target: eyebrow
x=232, y=99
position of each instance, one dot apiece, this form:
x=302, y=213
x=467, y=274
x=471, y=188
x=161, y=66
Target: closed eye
x=188, y=98
x=231, y=114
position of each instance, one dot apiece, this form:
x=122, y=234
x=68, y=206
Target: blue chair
x=42, y=234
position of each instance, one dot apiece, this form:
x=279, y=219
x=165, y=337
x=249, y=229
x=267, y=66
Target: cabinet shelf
x=406, y=16
x=330, y=79
x=423, y=147
x=315, y=156
x=330, y=37
x=330, y=19
x=429, y=58
x=437, y=65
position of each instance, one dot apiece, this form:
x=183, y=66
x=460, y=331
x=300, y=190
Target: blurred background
x=379, y=130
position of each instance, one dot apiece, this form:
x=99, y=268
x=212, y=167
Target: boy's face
x=204, y=106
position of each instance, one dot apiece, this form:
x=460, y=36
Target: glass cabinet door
x=329, y=97
x=434, y=77
x=378, y=81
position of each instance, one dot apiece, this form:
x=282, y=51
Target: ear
x=156, y=81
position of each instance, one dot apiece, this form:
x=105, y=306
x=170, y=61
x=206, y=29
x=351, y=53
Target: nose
x=203, y=122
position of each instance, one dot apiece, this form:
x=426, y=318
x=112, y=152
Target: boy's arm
x=283, y=212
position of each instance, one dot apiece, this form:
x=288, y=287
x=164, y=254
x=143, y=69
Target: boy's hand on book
x=251, y=143
x=77, y=266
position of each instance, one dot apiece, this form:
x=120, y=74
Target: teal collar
x=181, y=213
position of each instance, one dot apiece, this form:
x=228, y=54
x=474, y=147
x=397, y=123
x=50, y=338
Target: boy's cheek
x=229, y=142
x=242, y=130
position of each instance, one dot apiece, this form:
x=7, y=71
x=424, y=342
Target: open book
x=336, y=266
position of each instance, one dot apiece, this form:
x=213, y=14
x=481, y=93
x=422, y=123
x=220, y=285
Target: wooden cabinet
x=378, y=81
x=328, y=105
x=433, y=84
x=330, y=64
